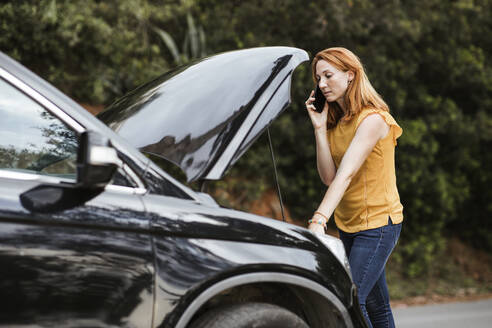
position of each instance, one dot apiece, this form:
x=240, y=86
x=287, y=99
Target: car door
x=86, y=266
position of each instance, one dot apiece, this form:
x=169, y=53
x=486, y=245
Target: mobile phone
x=319, y=100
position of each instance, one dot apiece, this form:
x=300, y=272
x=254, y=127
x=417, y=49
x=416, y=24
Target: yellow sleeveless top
x=372, y=195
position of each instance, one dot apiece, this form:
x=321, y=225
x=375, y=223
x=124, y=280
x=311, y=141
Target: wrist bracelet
x=326, y=218
x=321, y=222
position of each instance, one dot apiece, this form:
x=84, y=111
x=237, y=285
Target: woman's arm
x=324, y=160
x=372, y=128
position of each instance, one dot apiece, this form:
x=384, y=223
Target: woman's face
x=332, y=82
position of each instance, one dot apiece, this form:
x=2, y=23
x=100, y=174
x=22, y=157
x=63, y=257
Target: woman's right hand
x=318, y=119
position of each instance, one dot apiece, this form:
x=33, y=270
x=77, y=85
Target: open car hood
x=203, y=116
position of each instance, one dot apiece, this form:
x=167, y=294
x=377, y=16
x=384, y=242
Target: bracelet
x=321, y=222
x=326, y=218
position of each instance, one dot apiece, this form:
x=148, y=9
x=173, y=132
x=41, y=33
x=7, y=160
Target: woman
x=355, y=147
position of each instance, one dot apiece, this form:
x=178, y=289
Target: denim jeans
x=368, y=252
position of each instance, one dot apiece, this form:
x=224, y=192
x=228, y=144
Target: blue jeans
x=368, y=252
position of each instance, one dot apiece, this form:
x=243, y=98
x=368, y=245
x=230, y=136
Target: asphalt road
x=475, y=314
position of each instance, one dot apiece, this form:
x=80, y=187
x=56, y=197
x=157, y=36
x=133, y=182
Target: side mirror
x=97, y=161
x=48, y=198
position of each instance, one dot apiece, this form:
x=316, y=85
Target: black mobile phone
x=319, y=100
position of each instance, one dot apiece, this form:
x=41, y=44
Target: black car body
x=94, y=234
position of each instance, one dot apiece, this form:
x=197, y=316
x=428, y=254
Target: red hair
x=359, y=94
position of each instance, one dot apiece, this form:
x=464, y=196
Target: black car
x=95, y=234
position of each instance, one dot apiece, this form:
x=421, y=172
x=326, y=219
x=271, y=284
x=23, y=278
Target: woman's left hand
x=316, y=228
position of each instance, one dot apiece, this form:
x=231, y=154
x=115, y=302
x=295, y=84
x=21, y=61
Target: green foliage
x=92, y=50
x=194, y=44
x=431, y=61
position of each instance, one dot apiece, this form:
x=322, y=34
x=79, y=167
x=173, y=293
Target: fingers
x=317, y=231
x=317, y=118
x=310, y=100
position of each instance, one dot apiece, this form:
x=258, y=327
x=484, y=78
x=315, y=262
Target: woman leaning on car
x=355, y=147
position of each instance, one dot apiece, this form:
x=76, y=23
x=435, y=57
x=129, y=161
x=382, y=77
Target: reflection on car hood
x=205, y=115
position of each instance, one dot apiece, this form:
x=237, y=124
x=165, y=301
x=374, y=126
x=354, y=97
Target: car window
x=121, y=178
x=32, y=139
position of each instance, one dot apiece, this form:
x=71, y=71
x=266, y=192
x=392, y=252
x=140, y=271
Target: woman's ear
x=351, y=76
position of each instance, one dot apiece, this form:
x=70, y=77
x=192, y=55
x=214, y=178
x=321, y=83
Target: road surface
x=477, y=314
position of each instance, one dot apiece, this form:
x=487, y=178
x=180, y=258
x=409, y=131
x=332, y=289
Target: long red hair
x=360, y=93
